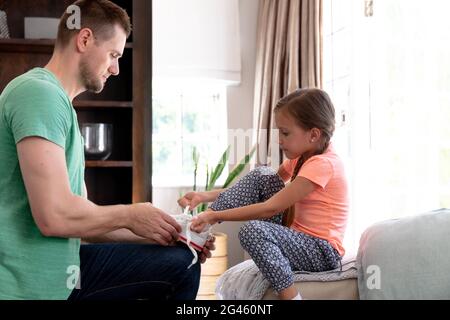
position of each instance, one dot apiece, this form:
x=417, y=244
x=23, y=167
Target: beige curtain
x=289, y=56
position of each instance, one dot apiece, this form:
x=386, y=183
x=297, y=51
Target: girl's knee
x=263, y=171
x=250, y=231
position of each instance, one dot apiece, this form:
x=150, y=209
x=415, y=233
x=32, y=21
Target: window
x=386, y=67
x=187, y=115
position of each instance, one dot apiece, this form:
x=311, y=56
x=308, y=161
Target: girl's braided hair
x=310, y=108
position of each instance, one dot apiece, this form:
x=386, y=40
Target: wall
x=240, y=116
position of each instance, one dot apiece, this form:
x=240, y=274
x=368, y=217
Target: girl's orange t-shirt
x=324, y=212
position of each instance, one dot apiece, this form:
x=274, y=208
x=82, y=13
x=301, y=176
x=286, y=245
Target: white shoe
x=191, y=238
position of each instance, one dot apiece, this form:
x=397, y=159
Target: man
x=43, y=209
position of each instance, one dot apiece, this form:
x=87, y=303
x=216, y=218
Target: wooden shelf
x=108, y=164
x=32, y=45
x=26, y=45
x=125, y=102
x=82, y=104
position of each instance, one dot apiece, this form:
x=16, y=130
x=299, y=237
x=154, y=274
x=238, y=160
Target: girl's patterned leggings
x=277, y=250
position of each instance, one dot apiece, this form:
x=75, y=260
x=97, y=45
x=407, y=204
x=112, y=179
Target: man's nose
x=114, y=69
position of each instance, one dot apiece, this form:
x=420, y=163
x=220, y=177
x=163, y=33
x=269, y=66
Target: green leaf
x=219, y=169
x=239, y=168
x=207, y=177
x=202, y=207
x=213, y=175
x=195, y=157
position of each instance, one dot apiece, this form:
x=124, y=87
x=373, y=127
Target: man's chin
x=97, y=89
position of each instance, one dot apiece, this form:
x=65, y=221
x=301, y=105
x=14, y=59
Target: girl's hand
x=199, y=222
x=192, y=199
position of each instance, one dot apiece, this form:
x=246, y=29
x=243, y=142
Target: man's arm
x=120, y=235
x=59, y=213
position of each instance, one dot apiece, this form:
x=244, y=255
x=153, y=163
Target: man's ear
x=316, y=134
x=83, y=39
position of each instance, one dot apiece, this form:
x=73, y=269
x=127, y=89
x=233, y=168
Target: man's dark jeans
x=136, y=271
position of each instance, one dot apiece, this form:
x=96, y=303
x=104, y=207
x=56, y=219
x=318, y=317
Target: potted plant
x=214, y=174
x=218, y=263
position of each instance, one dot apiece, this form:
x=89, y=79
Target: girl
x=299, y=227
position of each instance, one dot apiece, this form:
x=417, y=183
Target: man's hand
x=152, y=223
x=209, y=246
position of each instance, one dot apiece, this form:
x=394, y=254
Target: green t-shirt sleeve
x=37, y=108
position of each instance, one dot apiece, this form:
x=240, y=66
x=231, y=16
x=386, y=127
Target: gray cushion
x=407, y=258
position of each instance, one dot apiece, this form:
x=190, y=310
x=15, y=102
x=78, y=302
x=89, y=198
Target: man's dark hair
x=98, y=15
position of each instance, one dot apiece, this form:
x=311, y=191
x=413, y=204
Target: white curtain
x=398, y=108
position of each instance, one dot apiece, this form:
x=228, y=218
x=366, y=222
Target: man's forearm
x=120, y=235
x=80, y=218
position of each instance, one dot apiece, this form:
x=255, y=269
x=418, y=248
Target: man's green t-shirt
x=33, y=266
